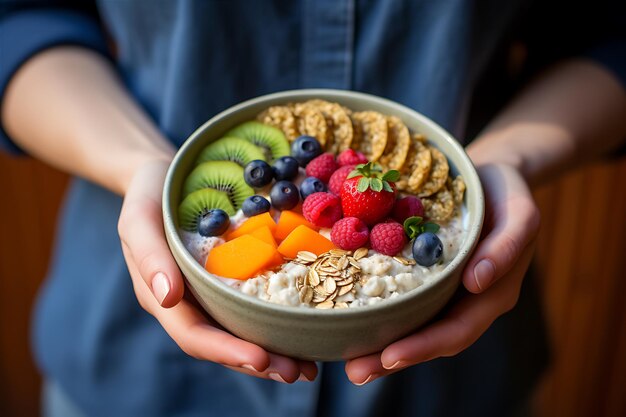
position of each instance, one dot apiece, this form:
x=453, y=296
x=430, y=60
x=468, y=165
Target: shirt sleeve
x=25, y=31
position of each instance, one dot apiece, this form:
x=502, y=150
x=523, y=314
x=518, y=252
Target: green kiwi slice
x=198, y=203
x=231, y=149
x=226, y=176
x=267, y=137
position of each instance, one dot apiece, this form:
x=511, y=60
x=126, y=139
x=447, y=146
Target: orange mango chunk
x=304, y=238
x=288, y=221
x=240, y=258
x=253, y=223
x=276, y=261
x=265, y=234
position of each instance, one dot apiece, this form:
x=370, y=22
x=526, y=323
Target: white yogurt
x=382, y=277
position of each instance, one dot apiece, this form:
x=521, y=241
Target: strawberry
x=368, y=194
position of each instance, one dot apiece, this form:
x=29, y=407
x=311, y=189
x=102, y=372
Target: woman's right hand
x=159, y=288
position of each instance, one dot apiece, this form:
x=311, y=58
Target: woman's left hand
x=493, y=277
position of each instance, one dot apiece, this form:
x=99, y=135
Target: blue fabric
x=612, y=55
x=24, y=33
x=55, y=403
x=184, y=61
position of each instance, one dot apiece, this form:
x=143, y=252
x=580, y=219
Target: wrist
x=529, y=147
x=490, y=148
x=138, y=161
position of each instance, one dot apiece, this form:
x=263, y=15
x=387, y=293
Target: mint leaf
x=430, y=227
x=376, y=184
x=412, y=220
x=415, y=226
x=363, y=184
x=392, y=176
x=411, y=226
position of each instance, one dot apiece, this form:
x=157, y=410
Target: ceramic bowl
x=309, y=333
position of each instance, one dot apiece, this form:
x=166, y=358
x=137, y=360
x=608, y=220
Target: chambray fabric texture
x=184, y=61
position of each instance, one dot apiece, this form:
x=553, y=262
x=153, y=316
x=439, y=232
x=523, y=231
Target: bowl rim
x=176, y=244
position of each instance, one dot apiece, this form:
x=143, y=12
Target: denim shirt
x=185, y=61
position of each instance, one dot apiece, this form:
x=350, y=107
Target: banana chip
x=417, y=166
x=438, y=174
x=281, y=117
x=398, y=140
x=371, y=134
x=311, y=121
x=338, y=119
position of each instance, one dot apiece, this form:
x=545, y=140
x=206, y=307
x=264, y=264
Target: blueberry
x=305, y=148
x=255, y=204
x=285, y=168
x=311, y=185
x=258, y=173
x=427, y=249
x=284, y=195
x=213, y=223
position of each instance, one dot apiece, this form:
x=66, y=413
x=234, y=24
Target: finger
x=463, y=325
x=196, y=336
x=141, y=232
x=249, y=371
x=308, y=370
x=283, y=369
x=512, y=223
x=365, y=369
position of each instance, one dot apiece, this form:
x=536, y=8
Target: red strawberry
x=388, y=238
x=407, y=207
x=338, y=177
x=351, y=157
x=368, y=194
x=322, y=167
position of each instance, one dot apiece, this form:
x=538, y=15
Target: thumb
x=140, y=228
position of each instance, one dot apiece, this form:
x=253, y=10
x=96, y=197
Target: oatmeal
x=277, y=234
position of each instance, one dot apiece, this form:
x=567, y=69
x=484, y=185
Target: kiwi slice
x=198, y=203
x=231, y=149
x=226, y=176
x=272, y=140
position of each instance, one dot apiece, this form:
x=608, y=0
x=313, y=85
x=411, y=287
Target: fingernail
x=160, y=287
x=303, y=377
x=396, y=365
x=368, y=379
x=276, y=377
x=484, y=272
x=250, y=367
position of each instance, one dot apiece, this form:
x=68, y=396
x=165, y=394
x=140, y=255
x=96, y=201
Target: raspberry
x=349, y=233
x=407, y=207
x=351, y=157
x=322, y=167
x=338, y=177
x=388, y=238
x=322, y=209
